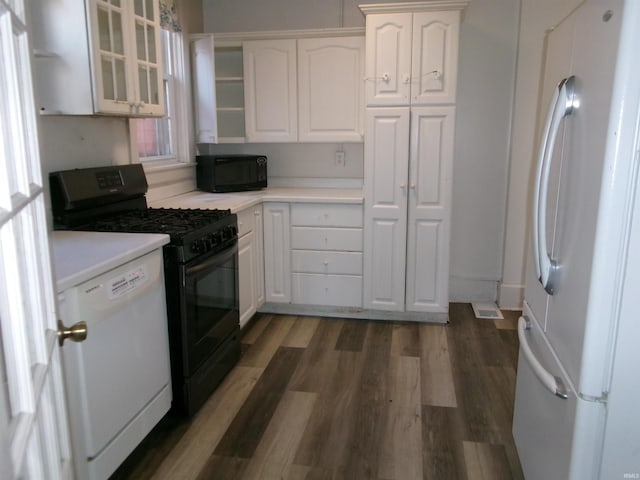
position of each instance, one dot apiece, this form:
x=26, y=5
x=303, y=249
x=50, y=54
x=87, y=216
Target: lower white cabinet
x=313, y=254
x=250, y=262
x=326, y=255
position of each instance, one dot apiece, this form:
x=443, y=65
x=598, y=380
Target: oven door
x=211, y=301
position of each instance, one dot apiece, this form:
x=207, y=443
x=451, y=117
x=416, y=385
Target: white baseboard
x=510, y=297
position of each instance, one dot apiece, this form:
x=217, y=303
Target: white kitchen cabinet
x=326, y=255
x=98, y=57
x=277, y=252
x=270, y=90
x=412, y=55
x=409, y=154
x=218, y=90
x=250, y=266
x=408, y=208
x=331, y=97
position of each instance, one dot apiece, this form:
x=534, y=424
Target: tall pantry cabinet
x=410, y=85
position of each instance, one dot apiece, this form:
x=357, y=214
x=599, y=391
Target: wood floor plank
x=301, y=332
x=406, y=339
x=316, y=367
x=372, y=404
x=329, y=433
x=442, y=436
x=486, y=461
x=274, y=453
x=222, y=467
x=259, y=353
x=256, y=327
x=400, y=455
x=436, y=374
x=352, y=335
x=246, y=429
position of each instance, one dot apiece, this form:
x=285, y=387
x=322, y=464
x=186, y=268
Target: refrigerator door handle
x=552, y=383
x=562, y=104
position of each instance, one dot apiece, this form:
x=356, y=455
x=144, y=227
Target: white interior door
x=34, y=440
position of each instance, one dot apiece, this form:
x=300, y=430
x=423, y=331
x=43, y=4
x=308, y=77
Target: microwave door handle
x=562, y=105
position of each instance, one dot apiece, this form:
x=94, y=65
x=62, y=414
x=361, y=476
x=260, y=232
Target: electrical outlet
x=340, y=162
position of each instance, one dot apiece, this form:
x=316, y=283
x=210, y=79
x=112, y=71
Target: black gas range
x=200, y=262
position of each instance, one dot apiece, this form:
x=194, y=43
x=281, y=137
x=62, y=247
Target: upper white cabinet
x=218, y=90
x=306, y=87
x=331, y=97
x=412, y=56
x=270, y=90
x=98, y=57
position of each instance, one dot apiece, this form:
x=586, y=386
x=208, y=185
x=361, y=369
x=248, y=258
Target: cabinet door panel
x=385, y=215
x=434, y=57
x=270, y=90
x=331, y=101
x=246, y=278
x=277, y=260
x=259, y=254
x=388, y=59
x=429, y=208
x=203, y=73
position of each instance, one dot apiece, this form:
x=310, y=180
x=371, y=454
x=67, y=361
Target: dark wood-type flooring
x=321, y=398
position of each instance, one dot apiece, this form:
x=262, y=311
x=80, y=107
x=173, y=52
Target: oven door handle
x=218, y=258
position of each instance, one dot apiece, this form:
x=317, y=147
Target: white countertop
x=238, y=201
x=80, y=256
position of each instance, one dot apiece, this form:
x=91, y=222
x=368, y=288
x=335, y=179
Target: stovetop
x=192, y=232
x=175, y=222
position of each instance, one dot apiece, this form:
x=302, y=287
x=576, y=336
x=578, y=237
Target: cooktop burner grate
x=173, y=221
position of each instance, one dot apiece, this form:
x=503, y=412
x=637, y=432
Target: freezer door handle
x=563, y=103
x=552, y=383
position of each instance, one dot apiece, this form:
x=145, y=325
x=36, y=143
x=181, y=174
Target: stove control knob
x=198, y=246
x=215, y=238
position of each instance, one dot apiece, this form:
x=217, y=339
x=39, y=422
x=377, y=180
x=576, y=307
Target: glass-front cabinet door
x=148, y=63
x=127, y=59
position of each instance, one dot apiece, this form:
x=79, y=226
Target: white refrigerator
x=577, y=402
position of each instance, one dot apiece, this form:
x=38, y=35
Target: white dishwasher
x=118, y=378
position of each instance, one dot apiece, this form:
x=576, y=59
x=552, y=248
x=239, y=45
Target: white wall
x=537, y=16
x=485, y=91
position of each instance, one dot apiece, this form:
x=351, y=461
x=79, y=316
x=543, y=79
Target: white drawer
x=331, y=290
x=342, y=263
x=245, y=221
x=326, y=215
x=309, y=238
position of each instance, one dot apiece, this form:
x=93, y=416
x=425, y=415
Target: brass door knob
x=75, y=333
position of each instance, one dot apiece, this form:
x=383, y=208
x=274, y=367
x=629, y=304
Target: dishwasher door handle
x=76, y=332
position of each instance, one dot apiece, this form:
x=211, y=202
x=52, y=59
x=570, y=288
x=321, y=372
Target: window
x=165, y=140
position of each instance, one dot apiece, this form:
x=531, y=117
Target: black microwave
x=231, y=173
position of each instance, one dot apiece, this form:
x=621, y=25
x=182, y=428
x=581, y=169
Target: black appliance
x=231, y=173
x=200, y=262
